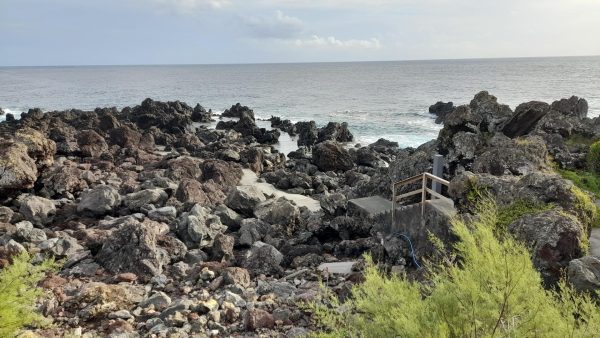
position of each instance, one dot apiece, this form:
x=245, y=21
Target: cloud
x=279, y=26
x=330, y=41
x=191, y=6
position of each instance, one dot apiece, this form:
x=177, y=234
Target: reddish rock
x=258, y=319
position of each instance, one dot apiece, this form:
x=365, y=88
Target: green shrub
x=18, y=293
x=493, y=290
x=593, y=158
x=518, y=209
x=584, y=180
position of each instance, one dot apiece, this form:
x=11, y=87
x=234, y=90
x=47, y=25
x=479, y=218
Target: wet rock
x=38, y=210
x=308, y=134
x=277, y=211
x=244, y=199
x=263, y=258
x=335, y=131
x=525, y=118
x=332, y=156
x=18, y=171
x=237, y=110
x=199, y=114
x=441, y=109
x=584, y=274
x=100, y=200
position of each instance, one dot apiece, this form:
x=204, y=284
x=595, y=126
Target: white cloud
x=279, y=26
x=330, y=41
x=191, y=6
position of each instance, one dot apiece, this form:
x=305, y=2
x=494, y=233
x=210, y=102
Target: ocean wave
x=16, y=112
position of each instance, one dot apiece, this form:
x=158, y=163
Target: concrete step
x=369, y=207
x=342, y=268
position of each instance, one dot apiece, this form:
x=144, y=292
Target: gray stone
x=27, y=232
x=158, y=300
x=244, y=199
x=252, y=230
x=584, y=274
x=38, y=210
x=277, y=211
x=263, y=258
x=6, y=214
x=199, y=227
x=228, y=217
x=135, y=201
x=100, y=200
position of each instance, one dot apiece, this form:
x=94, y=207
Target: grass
x=518, y=209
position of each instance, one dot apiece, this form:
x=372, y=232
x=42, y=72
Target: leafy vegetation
x=593, y=158
x=518, y=209
x=583, y=179
x=18, y=293
x=493, y=290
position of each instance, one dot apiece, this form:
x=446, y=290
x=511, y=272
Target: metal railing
x=424, y=190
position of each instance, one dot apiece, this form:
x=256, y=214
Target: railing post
x=438, y=170
x=393, y=205
x=423, y=195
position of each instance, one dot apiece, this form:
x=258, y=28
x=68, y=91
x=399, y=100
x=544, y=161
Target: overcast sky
x=74, y=32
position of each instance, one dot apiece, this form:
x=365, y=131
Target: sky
x=124, y=32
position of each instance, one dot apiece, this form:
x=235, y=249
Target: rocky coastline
x=164, y=231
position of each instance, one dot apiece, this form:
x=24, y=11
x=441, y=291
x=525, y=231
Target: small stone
x=235, y=275
x=38, y=210
x=207, y=274
x=159, y=300
x=206, y=306
x=121, y=314
x=127, y=277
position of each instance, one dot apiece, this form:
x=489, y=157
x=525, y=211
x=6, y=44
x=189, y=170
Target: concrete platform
x=595, y=242
x=342, y=268
x=370, y=206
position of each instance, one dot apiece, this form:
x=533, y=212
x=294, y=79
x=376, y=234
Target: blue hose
x=412, y=251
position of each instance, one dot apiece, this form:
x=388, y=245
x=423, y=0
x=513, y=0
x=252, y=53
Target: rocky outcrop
x=334, y=131
x=525, y=118
x=331, y=156
x=237, y=110
x=441, y=109
x=18, y=171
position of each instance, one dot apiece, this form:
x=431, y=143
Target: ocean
x=377, y=99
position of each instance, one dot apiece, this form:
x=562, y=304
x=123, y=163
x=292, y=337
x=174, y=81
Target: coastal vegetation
x=19, y=292
x=492, y=289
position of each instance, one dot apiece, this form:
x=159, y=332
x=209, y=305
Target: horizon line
x=301, y=62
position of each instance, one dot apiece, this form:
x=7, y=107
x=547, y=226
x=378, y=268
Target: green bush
x=518, y=209
x=593, y=158
x=584, y=180
x=18, y=293
x=492, y=290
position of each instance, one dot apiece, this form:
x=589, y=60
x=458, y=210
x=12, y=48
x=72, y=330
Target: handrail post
x=438, y=170
x=423, y=195
x=393, y=206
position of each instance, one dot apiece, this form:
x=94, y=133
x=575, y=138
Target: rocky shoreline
x=163, y=231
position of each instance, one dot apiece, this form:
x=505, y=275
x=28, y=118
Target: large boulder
x=91, y=144
x=308, y=134
x=225, y=174
x=125, y=137
x=331, y=156
x=136, y=200
x=335, y=131
x=584, y=274
x=573, y=106
x=244, y=199
x=277, y=211
x=134, y=248
x=18, y=171
x=199, y=114
x=237, y=110
x=441, y=109
x=38, y=210
x=100, y=200
x=555, y=238
x=39, y=148
x=493, y=114
x=525, y=118
x=507, y=156
x=263, y=258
